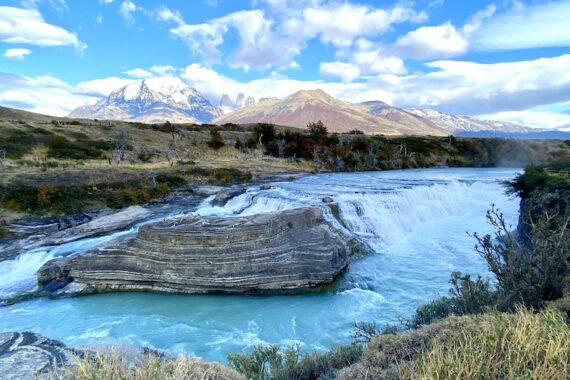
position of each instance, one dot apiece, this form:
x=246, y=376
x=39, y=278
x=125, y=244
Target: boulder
x=265, y=186
x=225, y=195
x=328, y=200
x=287, y=251
x=102, y=225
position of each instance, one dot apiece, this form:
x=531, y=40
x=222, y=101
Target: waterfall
x=414, y=221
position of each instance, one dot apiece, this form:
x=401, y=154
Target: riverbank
x=413, y=221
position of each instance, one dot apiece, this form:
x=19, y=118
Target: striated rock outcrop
x=30, y=356
x=276, y=252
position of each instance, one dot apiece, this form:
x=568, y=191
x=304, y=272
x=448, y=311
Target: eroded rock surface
x=266, y=253
x=28, y=355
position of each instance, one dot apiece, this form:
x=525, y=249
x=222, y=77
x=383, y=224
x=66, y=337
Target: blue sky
x=508, y=60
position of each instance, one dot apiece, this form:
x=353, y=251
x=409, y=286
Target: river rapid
x=414, y=222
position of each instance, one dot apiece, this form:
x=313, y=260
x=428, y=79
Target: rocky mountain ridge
x=152, y=100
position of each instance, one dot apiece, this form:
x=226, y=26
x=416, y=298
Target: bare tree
x=403, y=149
x=3, y=152
x=121, y=146
x=281, y=144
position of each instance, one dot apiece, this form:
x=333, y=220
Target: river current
x=415, y=223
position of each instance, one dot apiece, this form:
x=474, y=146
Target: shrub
x=270, y=362
x=264, y=131
x=266, y=362
x=45, y=194
x=533, y=268
x=216, y=142
x=317, y=131
x=465, y=297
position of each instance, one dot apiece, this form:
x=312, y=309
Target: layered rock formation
x=30, y=356
x=276, y=252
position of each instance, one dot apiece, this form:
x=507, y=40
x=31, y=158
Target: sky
x=506, y=60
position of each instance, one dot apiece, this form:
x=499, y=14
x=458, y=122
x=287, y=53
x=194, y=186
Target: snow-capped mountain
x=153, y=100
x=228, y=105
x=458, y=123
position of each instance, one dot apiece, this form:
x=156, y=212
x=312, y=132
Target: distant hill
x=304, y=107
x=540, y=135
x=459, y=123
x=152, y=100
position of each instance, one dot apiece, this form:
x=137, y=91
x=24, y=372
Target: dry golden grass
x=112, y=367
x=523, y=345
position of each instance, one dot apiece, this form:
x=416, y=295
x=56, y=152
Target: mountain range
x=304, y=107
x=155, y=100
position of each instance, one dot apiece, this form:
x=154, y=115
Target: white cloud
x=27, y=26
x=105, y=1
x=163, y=69
x=346, y=71
x=138, y=73
x=43, y=94
x=366, y=59
x=17, y=53
x=272, y=37
x=432, y=41
x=259, y=47
x=101, y=87
x=441, y=41
x=544, y=24
x=341, y=23
x=127, y=10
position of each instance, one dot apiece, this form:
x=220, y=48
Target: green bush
x=272, y=363
x=465, y=297
x=61, y=148
x=216, y=142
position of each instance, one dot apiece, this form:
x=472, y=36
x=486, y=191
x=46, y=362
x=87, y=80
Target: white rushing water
x=414, y=221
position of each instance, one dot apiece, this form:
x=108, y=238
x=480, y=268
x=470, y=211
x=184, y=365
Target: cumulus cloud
x=476, y=88
x=543, y=24
x=43, y=94
x=17, y=53
x=259, y=46
x=272, y=37
x=341, y=23
x=27, y=26
x=441, y=41
x=138, y=73
x=367, y=59
x=433, y=41
x=100, y=88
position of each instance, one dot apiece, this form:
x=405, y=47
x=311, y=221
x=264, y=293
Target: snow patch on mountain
x=153, y=100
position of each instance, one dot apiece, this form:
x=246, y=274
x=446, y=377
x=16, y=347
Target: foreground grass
x=106, y=367
x=521, y=345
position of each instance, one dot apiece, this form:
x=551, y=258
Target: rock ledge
x=287, y=251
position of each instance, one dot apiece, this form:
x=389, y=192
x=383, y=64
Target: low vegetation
x=522, y=345
x=151, y=367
